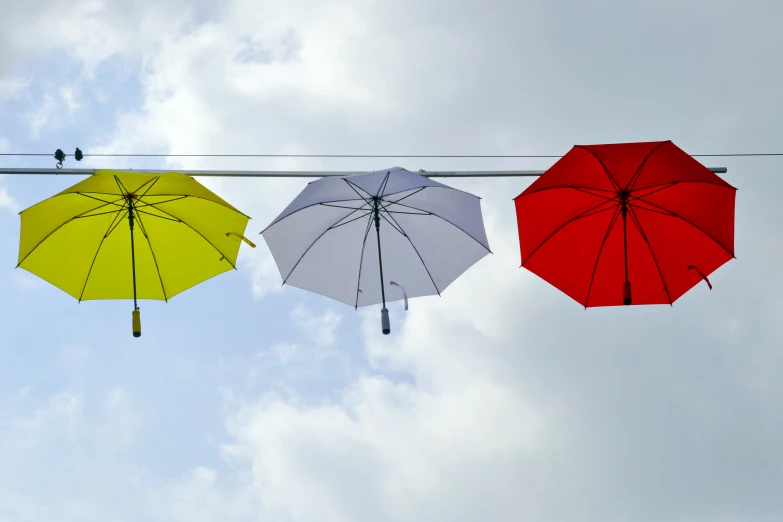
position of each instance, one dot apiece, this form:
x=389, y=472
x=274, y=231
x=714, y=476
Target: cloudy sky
x=503, y=399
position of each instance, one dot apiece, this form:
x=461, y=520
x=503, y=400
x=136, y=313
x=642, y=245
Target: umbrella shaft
x=377, y=218
x=133, y=251
x=625, y=237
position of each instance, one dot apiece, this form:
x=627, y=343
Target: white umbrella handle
x=403, y=293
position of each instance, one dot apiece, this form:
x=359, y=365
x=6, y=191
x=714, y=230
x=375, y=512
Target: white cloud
x=44, y=116
x=68, y=95
x=22, y=393
x=320, y=329
x=60, y=416
x=121, y=421
x=11, y=87
x=287, y=352
x=7, y=201
x=26, y=281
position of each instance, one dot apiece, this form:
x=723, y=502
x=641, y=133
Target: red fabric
x=679, y=215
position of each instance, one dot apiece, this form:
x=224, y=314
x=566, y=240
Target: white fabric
x=325, y=240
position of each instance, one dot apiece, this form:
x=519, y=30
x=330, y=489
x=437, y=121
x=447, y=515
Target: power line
x=294, y=173
x=446, y=156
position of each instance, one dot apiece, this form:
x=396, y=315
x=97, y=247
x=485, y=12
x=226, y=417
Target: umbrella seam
x=395, y=225
x=600, y=252
x=405, y=235
x=382, y=190
x=587, y=213
x=450, y=222
x=583, y=189
x=156, y=195
x=603, y=166
x=203, y=237
x=285, y=280
x=117, y=224
x=638, y=224
x=154, y=258
x=675, y=215
x=279, y=219
x=350, y=220
x=638, y=173
x=55, y=230
x=361, y=262
x=95, y=257
x=354, y=187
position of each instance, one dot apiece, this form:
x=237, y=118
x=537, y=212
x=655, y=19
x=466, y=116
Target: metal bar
x=290, y=173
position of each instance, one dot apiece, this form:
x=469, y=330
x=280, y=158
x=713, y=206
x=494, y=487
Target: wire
x=499, y=156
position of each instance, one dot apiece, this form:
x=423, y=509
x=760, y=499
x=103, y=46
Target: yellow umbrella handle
x=136, y=323
x=243, y=238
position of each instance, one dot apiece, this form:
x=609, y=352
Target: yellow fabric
x=79, y=240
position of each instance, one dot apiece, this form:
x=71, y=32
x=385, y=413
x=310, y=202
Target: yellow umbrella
x=117, y=235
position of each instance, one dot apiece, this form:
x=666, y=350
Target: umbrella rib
x=354, y=187
x=586, y=190
x=351, y=220
x=145, y=204
x=179, y=196
x=122, y=188
x=638, y=172
x=58, y=228
x=154, y=257
x=649, y=246
x=657, y=188
x=405, y=197
x=305, y=208
x=655, y=210
x=600, y=251
x=154, y=215
x=154, y=180
x=587, y=213
x=396, y=226
x=402, y=231
x=341, y=206
x=606, y=170
x=672, y=183
x=409, y=213
x=100, y=213
x=382, y=189
x=117, y=224
x=451, y=223
x=311, y=246
x=113, y=202
x=98, y=251
x=361, y=262
x=673, y=214
x=200, y=234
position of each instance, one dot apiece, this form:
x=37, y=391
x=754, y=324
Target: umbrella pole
x=136, y=313
x=627, y=284
x=385, y=326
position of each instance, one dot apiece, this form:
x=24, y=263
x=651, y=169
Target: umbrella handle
x=701, y=274
x=385, y=325
x=404, y=295
x=627, y=293
x=136, y=323
x=243, y=238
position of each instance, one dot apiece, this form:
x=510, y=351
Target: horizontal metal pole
x=292, y=173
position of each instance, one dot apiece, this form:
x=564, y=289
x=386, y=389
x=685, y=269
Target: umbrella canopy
x=119, y=235
x=376, y=237
x=628, y=223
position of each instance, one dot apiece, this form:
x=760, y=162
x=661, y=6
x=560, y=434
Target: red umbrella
x=626, y=223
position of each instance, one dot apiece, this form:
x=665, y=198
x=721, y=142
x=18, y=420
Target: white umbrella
x=426, y=234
